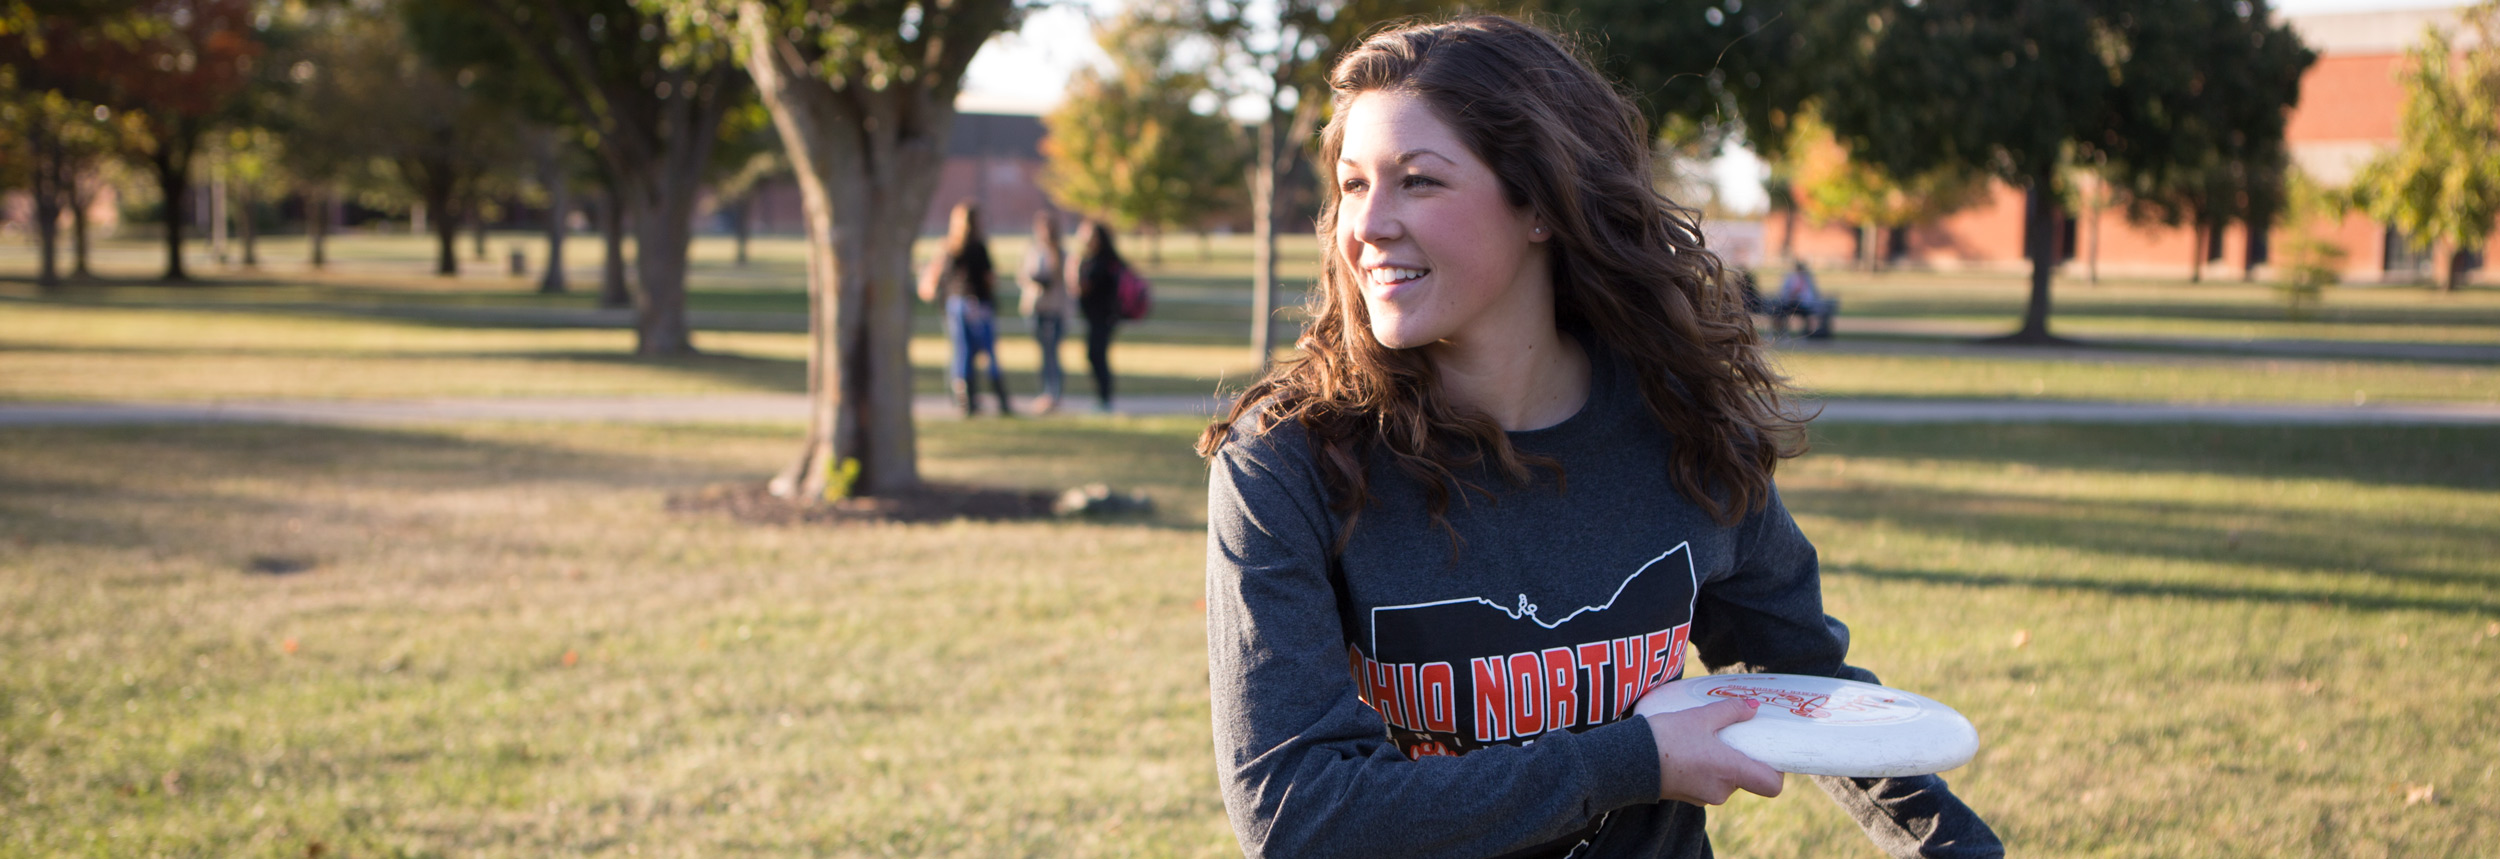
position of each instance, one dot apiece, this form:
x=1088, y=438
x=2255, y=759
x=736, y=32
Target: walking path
x=793, y=407
x=1923, y=336
x=1856, y=334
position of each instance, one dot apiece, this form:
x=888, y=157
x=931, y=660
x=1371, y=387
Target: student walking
x=1045, y=298
x=963, y=276
x=1096, y=275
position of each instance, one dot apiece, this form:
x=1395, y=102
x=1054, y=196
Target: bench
x=1814, y=317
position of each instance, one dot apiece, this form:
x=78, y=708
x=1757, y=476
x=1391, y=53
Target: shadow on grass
x=2445, y=457
x=2469, y=606
x=2352, y=545
x=2354, y=555
x=115, y=476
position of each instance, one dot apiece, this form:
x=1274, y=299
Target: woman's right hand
x=1694, y=767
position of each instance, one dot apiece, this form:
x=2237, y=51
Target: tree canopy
x=2017, y=88
x=2442, y=182
x=1130, y=145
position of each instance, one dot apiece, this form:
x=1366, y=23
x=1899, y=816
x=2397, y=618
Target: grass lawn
x=494, y=640
x=2176, y=641
x=377, y=325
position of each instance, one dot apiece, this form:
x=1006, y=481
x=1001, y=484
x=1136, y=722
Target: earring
x=1537, y=231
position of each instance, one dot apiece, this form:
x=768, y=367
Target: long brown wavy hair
x=1629, y=269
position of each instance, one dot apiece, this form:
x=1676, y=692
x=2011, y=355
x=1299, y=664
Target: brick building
x=2350, y=105
x=993, y=159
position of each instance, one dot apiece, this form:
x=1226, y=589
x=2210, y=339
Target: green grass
x=2198, y=641
x=2232, y=642
x=377, y=325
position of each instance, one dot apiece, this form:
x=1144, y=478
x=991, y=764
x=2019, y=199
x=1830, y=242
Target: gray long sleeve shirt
x=1415, y=697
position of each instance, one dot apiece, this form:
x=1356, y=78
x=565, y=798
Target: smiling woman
x=1508, y=314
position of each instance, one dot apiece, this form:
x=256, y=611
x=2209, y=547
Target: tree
x=2210, y=152
x=59, y=145
x=1710, y=70
x=251, y=158
x=2442, y=182
x=174, y=67
x=1129, y=147
x=747, y=157
x=863, y=95
x=437, y=144
x=1278, y=52
x=651, y=80
x=2015, y=87
x=1837, y=188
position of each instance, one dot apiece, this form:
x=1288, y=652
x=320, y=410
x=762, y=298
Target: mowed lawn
x=377, y=325
x=495, y=640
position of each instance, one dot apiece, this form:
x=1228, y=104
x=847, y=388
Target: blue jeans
x=1047, y=329
x=969, y=323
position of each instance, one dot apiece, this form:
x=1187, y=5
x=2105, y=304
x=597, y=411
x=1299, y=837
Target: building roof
x=2388, y=31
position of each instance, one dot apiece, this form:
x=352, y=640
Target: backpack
x=1136, y=294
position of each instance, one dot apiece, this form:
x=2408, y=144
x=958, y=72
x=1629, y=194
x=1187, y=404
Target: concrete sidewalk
x=1922, y=336
x=793, y=408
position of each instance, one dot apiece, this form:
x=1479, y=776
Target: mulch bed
x=934, y=502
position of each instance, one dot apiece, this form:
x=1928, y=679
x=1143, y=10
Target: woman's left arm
x=1766, y=615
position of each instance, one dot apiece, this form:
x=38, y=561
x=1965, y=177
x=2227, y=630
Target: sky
x=1027, y=72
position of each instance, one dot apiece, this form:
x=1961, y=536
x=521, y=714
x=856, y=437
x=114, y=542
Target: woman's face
x=1440, y=254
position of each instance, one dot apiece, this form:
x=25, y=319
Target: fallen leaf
x=2022, y=637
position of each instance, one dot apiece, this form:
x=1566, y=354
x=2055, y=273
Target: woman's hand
x=1694, y=767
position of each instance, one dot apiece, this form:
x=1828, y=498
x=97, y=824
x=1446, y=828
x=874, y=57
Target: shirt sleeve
x=1766, y=615
x=1306, y=767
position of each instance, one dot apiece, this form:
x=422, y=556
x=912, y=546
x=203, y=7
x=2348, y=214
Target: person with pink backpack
x=1097, y=272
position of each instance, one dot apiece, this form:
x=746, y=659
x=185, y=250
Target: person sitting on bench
x=1800, y=297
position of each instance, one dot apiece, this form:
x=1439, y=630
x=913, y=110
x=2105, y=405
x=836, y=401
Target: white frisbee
x=1828, y=726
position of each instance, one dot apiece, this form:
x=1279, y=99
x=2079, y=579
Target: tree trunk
x=2196, y=261
x=250, y=231
x=173, y=183
x=79, y=199
x=866, y=164
x=477, y=230
x=317, y=223
x=612, y=288
x=2043, y=200
x=662, y=230
x=217, y=215
x=2445, y=270
x=1788, y=232
x=559, y=207
x=439, y=190
x=2092, y=252
x=47, y=198
x=663, y=200
x=447, y=246
x=742, y=224
x=1263, y=239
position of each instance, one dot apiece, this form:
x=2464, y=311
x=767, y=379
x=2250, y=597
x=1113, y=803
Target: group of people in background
x=1053, y=282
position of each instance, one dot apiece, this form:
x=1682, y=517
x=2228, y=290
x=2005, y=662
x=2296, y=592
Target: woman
x=1525, y=457
x=964, y=276
x=1096, y=275
x=1046, y=302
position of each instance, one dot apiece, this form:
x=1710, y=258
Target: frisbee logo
x=1450, y=676
x=1845, y=708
